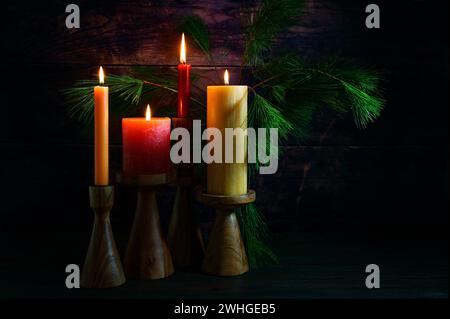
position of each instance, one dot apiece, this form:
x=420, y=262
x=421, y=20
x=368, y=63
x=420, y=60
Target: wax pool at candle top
x=146, y=145
x=227, y=108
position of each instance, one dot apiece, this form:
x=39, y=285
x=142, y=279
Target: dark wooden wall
x=391, y=176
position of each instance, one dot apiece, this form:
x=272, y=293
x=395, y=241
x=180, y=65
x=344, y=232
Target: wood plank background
x=394, y=175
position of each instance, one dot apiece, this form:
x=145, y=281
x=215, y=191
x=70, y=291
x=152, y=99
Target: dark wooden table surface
x=311, y=265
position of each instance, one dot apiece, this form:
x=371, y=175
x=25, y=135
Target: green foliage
x=269, y=20
x=80, y=100
x=127, y=88
x=125, y=92
x=364, y=93
x=194, y=27
x=365, y=108
x=262, y=113
x=255, y=232
x=286, y=91
x=298, y=90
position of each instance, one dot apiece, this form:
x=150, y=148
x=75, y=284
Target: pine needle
x=366, y=109
x=255, y=232
x=264, y=114
x=196, y=29
x=363, y=94
x=271, y=18
x=126, y=92
x=80, y=100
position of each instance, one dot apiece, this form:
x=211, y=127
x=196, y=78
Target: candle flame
x=101, y=76
x=148, y=113
x=183, y=50
x=226, y=77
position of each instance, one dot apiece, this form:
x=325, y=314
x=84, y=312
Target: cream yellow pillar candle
x=227, y=108
x=101, y=132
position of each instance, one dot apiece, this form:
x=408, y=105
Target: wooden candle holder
x=147, y=255
x=102, y=266
x=225, y=252
x=185, y=238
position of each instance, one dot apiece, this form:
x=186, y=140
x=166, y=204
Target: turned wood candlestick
x=147, y=255
x=225, y=252
x=102, y=266
x=185, y=238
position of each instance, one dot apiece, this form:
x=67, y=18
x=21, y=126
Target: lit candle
x=227, y=108
x=101, y=131
x=184, y=82
x=146, y=144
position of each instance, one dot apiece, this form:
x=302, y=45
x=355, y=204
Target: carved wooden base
x=102, y=266
x=225, y=253
x=147, y=255
x=185, y=238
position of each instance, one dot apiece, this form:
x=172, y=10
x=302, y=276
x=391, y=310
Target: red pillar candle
x=184, y=82
x=146, y=145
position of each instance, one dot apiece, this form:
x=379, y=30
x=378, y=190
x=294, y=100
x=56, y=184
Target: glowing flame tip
x=148, y=113
x=101, y=76
x=183, y=50
x=226, y=77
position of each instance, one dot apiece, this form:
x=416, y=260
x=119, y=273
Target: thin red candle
x=184, y=82
x=146, y=145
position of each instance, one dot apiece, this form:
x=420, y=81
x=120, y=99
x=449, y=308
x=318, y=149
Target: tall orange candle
x=101, y=131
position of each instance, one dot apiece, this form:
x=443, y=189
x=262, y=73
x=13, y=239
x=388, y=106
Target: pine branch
x=126, y=92
x=297, y=90
x=197, y=30
x=278, y=81
x=255, y=232
x=263, y=113
x=270, y=19
x=194, y=27
x=79, y=100
x=363, y=92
